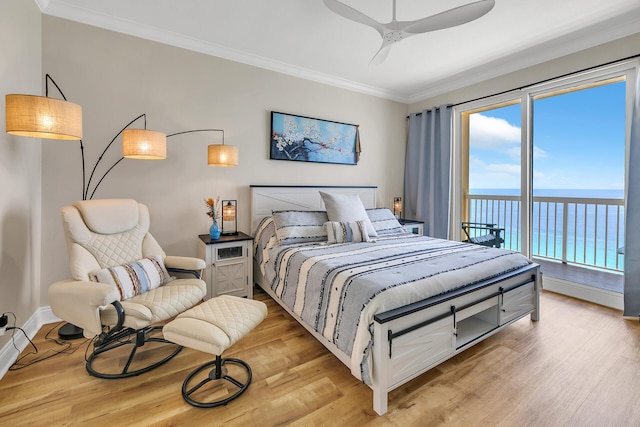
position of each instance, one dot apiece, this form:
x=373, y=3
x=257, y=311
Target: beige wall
x=20, y=72
x=117, y=77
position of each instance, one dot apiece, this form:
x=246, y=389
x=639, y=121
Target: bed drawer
x=517, y=302
x=421, y=349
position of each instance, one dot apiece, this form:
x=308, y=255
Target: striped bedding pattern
x=338, y=288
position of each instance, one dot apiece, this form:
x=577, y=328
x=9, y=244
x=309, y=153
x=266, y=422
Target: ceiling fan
x=396, y=31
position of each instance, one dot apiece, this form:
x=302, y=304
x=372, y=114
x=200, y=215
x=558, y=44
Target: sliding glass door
x=546, y=166
x=491, y=192
x=578, y=180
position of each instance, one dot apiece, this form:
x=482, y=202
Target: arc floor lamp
x=50, y=118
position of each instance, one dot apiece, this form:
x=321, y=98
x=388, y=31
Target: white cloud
x=539, y=153
x=491, y=132
x=514, y=153
x=493, y=175
x=504, y=168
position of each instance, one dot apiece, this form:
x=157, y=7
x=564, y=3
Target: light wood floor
x=578, y=366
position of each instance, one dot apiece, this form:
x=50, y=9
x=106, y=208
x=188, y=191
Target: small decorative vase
x=214, y=231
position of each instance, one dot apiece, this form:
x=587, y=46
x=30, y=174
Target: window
x=547, y=164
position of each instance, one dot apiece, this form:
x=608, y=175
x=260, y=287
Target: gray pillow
x=385, y=222
x=347, y=208
x=300, y=226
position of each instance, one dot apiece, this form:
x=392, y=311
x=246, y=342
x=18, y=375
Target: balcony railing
x=582, y=231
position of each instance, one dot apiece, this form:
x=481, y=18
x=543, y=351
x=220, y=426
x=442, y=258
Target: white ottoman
x=212, y=327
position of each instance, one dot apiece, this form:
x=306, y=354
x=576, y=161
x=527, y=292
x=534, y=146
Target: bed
x=392, y=306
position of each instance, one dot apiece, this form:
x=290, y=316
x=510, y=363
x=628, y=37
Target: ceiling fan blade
x=449, y=18
x=382, y=54
x=353, y=15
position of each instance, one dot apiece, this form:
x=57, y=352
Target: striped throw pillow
x=346, y=232
x=134, y=278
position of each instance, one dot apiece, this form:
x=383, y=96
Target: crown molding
x=603, y=32
x=43, y=4
x=64, y=10
x=554, y=48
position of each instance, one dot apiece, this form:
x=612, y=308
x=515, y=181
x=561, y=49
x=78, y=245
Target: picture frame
x=305, y=139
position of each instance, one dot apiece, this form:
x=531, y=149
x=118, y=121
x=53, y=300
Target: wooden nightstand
x=415, y=227
x=229, y=268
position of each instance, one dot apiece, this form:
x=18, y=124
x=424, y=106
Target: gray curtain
x=631, y=240
x=427, y=170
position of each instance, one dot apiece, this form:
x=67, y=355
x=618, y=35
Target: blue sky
x=578, y=142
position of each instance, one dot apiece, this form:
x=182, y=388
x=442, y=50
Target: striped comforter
x=337, y=289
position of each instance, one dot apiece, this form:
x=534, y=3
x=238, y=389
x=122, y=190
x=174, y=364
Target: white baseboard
x=588, y=293
x=13, y=347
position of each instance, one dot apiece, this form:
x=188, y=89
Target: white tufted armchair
x=120, y=286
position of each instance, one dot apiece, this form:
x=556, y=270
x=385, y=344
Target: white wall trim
x=87, y=16
x=584, y=292
x=9, y=354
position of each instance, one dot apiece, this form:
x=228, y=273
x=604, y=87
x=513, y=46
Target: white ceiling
x=305, y=39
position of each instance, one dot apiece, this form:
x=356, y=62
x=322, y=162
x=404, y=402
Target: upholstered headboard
x=266, y=198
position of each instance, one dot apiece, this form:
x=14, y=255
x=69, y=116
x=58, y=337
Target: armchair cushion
x=158, y=304
x=134, y=278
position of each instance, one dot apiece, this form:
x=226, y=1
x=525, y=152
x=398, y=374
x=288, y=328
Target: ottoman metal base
x=218, y=373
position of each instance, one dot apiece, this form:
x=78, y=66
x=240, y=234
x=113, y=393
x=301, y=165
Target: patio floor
x=610, y=281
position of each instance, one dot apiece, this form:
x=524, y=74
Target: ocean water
x=594, y=232
x=552, y=192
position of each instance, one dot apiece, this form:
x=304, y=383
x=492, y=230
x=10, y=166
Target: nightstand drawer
x=230, y=252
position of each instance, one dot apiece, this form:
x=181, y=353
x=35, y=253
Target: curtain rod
x=546, y=80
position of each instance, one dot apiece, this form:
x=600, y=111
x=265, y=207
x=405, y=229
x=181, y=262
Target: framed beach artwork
x=305, y=139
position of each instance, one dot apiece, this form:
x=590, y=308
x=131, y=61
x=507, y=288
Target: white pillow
x=346, y=232
x=134, y=278
x=347, y=208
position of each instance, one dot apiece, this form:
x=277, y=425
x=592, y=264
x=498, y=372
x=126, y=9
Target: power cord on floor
x=69, y=348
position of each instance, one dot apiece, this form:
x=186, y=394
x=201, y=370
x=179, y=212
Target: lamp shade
x=42, y=117
x=397, y=206
x=144, y=144
x=229, y=217
x=223, y=155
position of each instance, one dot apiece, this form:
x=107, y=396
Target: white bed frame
x=410, y=340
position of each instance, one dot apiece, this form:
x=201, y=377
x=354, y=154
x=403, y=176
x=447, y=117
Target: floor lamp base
x=70, y=332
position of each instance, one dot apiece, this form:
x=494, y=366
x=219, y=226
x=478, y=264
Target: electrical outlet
x=3, y=324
